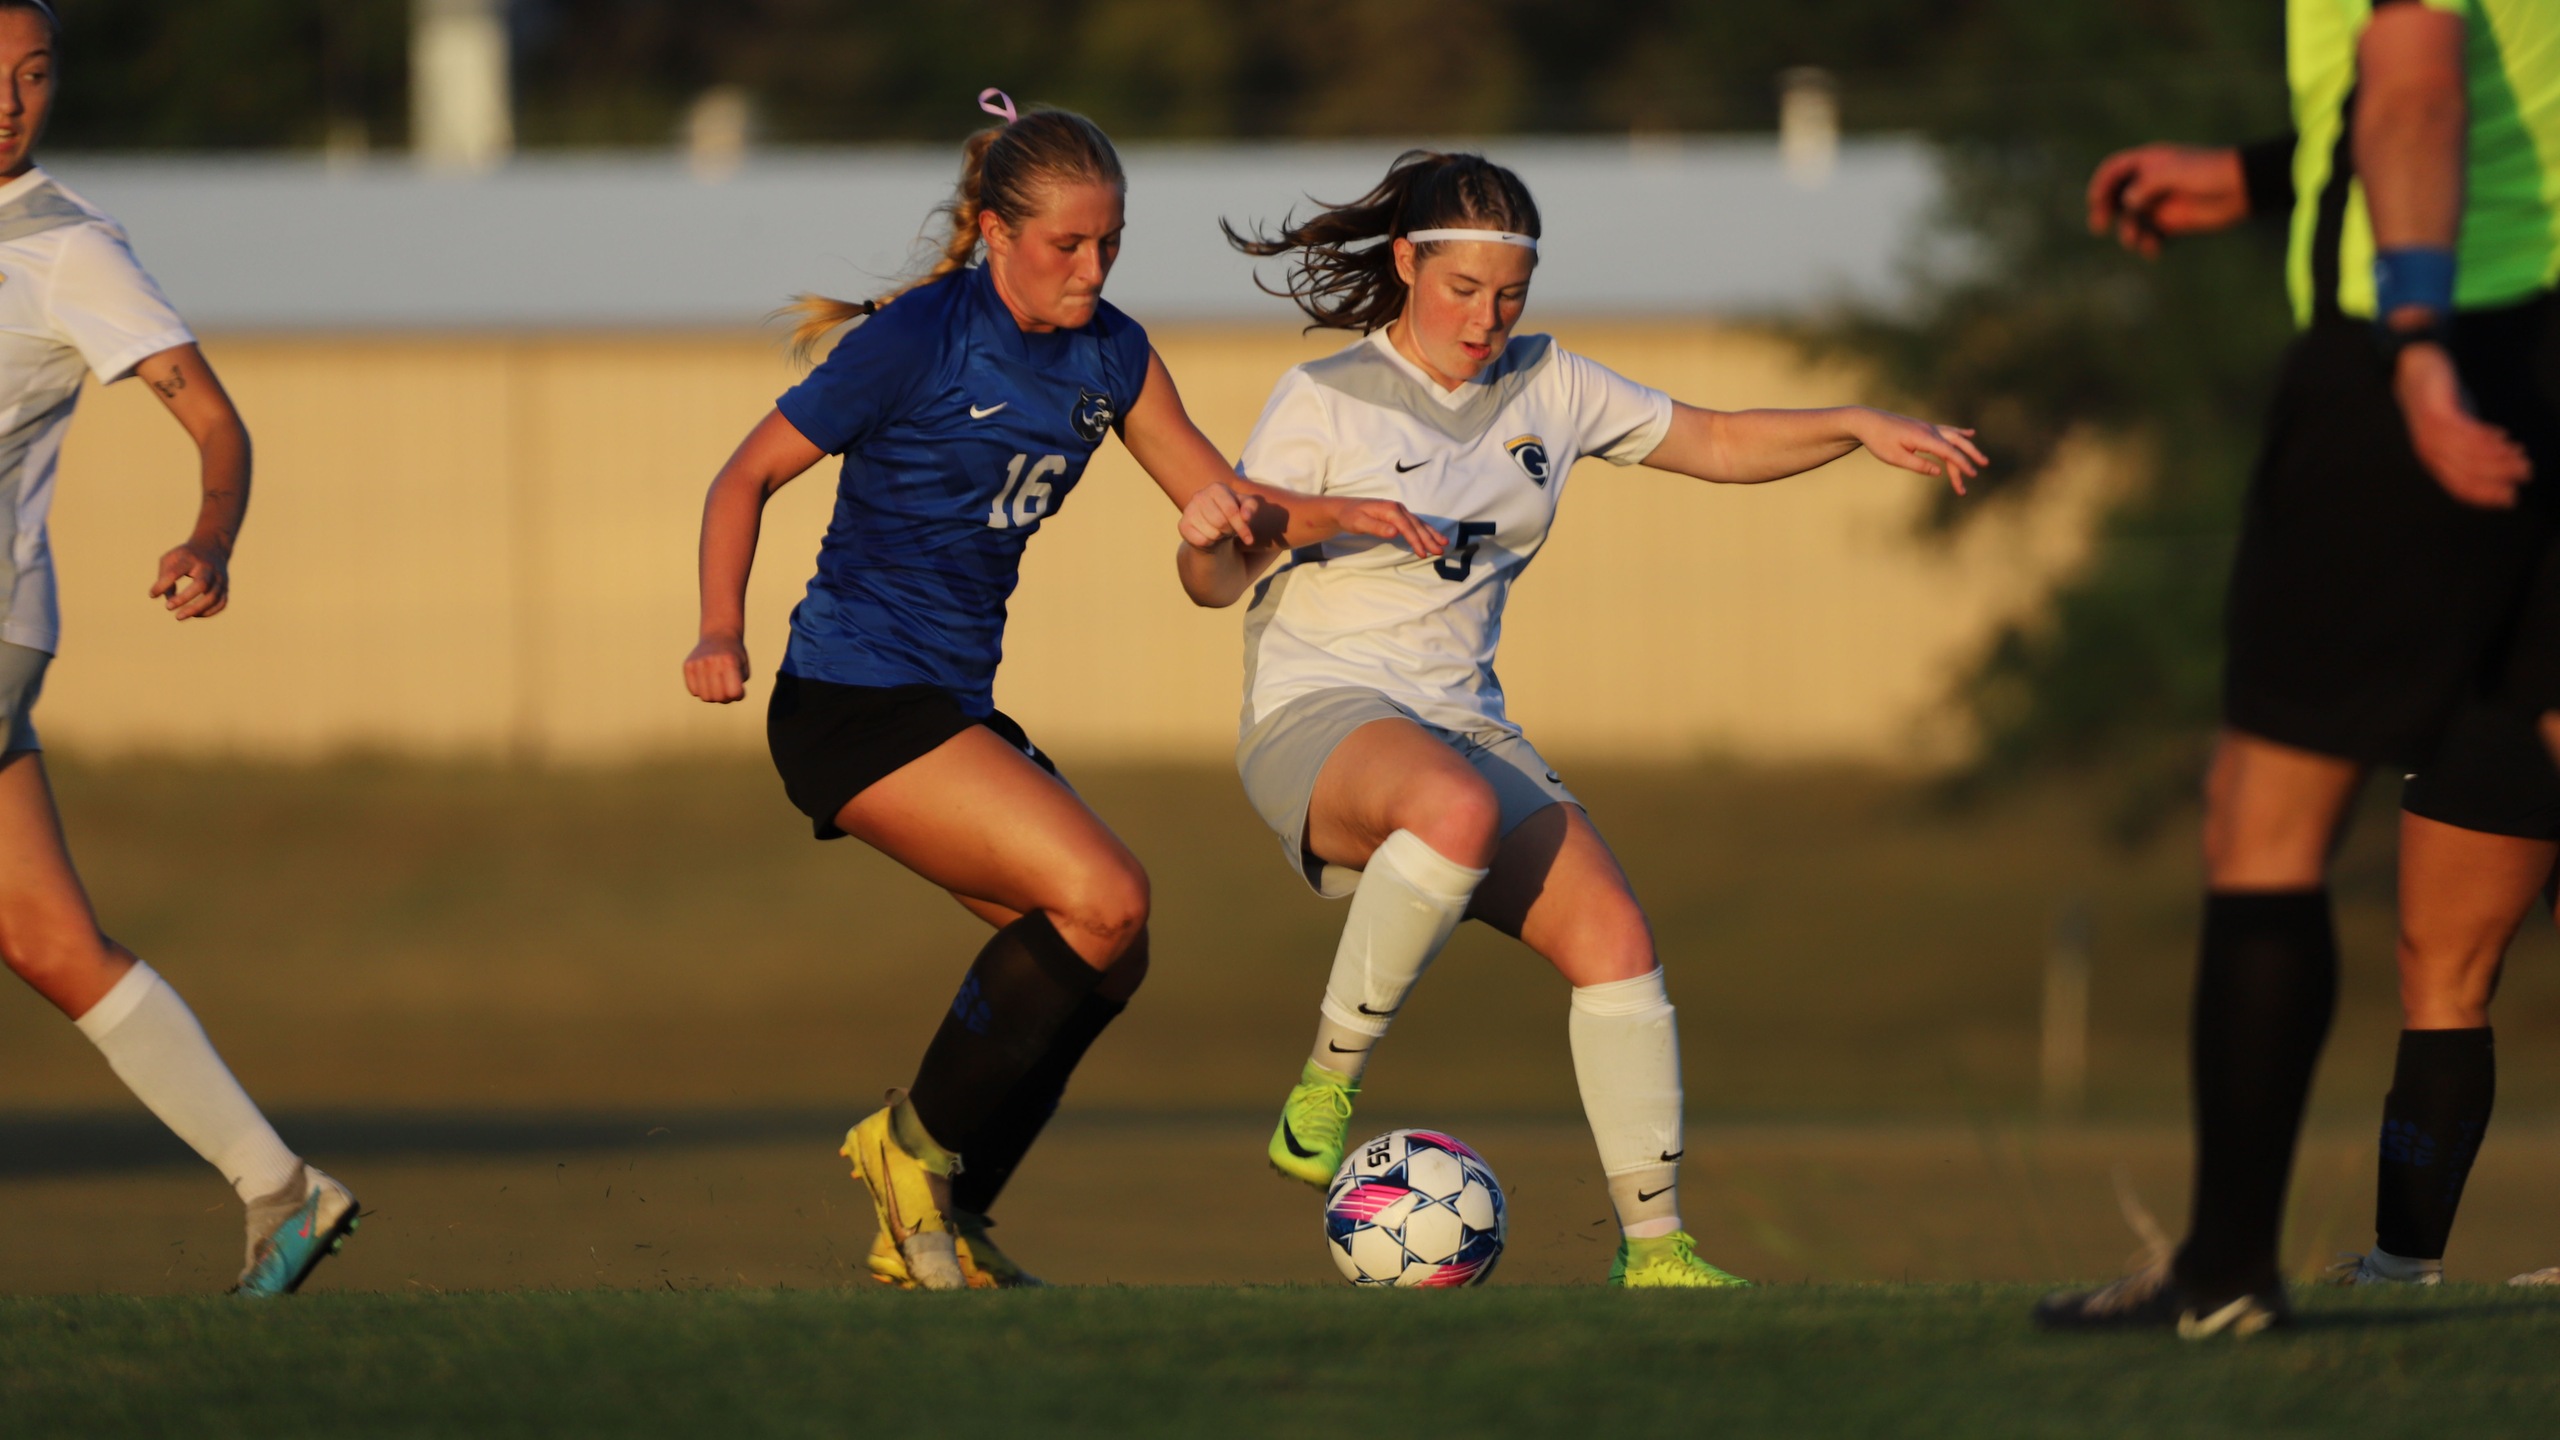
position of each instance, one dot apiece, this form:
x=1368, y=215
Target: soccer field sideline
x=1789, y=1360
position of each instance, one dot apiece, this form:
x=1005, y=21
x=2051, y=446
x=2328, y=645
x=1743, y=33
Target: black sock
x=1025, y=1110
x=2432, y=1122
x=1021, y=989
x=2266, y=986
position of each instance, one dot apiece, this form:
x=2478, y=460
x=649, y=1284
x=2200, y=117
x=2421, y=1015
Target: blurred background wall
x=487, y=405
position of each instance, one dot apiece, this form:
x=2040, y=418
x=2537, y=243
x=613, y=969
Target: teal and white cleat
x=1668, y=1262
x=293, y=1230
x=1308, y=1143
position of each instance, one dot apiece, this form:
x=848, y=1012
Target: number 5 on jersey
x=1025, y=496
x=1461, y=558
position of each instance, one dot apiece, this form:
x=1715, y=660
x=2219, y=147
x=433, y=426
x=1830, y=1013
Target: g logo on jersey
x=1531, y=452
x=1093, y=415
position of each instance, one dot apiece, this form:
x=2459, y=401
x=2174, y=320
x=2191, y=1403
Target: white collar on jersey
x=1491, y=237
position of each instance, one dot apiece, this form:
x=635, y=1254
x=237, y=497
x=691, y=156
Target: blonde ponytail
x=1005, y=170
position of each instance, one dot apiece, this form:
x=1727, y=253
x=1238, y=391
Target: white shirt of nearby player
x=1484, y=463
x=73, y=302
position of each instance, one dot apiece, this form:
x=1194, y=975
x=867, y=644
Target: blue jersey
x=960, y=433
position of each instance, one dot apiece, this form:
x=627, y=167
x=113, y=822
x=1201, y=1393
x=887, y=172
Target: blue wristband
x=2419, y=275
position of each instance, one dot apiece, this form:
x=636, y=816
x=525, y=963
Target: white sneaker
x=2547, y=1276
x=2381, y=1267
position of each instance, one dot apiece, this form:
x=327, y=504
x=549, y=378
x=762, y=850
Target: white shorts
x=1281, y=756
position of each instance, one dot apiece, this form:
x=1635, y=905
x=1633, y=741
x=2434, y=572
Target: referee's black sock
x=1025, y=1110
x=2266, y=987
x=1020, y=992
x=2432, y=1122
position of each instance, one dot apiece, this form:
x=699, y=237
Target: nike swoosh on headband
x=1492, y=237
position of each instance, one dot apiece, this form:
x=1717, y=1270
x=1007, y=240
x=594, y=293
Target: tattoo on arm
x=169, y=386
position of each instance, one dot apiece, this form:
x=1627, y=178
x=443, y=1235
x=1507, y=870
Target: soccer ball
x=1414, y=1207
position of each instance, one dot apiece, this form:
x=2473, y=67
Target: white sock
x=153, y=1043
x=1626, y=1054
x=1410, y=898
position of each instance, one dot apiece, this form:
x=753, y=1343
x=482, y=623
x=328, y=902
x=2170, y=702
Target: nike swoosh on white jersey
x=977, y=414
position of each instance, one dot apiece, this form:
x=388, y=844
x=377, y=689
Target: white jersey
x=73, y=300
x=1484, y=464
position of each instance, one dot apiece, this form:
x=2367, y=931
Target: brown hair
x=1005, y=170
x=1344, y=274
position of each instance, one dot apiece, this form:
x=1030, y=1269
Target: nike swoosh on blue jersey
x=977, y=414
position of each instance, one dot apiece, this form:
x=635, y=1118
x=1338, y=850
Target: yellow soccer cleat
x=1314, y=1121
x=908, y=1176
x=1668, y=1262
x=985, y=1266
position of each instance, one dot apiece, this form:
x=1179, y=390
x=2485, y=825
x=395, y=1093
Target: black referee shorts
x=2492, y=774
x=2367, y=606
x=832, y=742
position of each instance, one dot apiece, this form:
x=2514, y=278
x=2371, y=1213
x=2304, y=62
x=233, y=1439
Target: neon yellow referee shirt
x=2509, y=247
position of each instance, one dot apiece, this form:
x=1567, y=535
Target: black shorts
x=2367, y=605
x=2493, y=775
x=2532, y=680
x=832, y=742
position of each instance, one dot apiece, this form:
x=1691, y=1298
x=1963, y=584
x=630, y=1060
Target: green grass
x=1903, y=1361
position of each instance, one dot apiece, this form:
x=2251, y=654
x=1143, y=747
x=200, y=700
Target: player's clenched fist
x=716, y=671
x=1219, y=513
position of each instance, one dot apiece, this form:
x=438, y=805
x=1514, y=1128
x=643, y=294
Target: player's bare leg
x=50, y=938
x=1556, y=886
x=978, y=818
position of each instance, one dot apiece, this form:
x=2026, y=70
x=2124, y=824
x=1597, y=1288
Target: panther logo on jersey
x=1531, y=452
x=1093, y=415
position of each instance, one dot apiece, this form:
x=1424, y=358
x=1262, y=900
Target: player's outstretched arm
x=773, y=455
x=194, y=578
x=1749, y=447
x=1182, y=462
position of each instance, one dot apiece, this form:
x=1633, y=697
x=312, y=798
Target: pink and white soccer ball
x=1414, y=1207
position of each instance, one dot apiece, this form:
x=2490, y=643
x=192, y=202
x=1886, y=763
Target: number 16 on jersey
x=1025, y=496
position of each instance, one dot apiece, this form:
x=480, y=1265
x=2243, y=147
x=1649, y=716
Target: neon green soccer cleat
x=1668, y=1262
x=1309, y=1141
x=989, y=1268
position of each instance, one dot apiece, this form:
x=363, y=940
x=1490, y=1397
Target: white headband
x=1491, y=237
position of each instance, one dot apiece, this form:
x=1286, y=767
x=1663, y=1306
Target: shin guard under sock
x=1411, y=897
x=1026, y=1109
x=1626, y=1058
x=152, y=1041
x=2266, y=987
x=1020, y=992
x=2432, y=1123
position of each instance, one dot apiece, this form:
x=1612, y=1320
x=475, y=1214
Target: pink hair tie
x=1003, y=104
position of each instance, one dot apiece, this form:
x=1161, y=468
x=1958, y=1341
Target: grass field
x=1848, y=1361
x=583, y=1040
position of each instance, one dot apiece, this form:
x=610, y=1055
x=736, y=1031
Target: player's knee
x=2446, y=985
x=1127, y=973
x=1612, y=943
x=1108, y=902
x=1456, y=814
x=42, y=949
